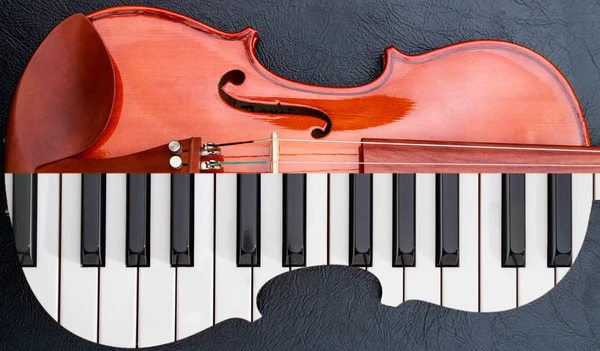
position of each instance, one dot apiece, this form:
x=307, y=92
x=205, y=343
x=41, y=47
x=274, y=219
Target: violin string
x=405, y=163
x=458, y=146
x=244, y=142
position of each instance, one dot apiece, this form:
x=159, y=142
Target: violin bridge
x=274, y=153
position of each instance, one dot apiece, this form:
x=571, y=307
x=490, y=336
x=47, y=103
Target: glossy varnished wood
x=472, y=92
x=177, y=78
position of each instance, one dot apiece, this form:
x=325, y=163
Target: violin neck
x=408, y=156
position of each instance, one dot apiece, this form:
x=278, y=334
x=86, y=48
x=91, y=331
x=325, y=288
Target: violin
x=140, y=89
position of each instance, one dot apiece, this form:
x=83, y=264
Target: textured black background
x=325, y=42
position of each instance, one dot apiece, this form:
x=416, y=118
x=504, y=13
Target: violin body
x=175, y=78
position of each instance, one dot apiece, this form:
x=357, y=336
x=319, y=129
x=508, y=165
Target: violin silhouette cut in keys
x=146, y=92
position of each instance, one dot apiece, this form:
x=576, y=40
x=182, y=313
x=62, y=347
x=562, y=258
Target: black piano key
x=138, y=221
x=513, y=220
x=403, y=227
x=93, y=224
x=24, y=217
x=294, y=220
x=248, y=220
x=182, y=220
x=559, y=220
x=446, y=241
x=361, y=220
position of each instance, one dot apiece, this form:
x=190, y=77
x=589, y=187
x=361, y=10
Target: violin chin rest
x=64, y=99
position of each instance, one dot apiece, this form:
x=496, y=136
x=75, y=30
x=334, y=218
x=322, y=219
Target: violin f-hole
x=237, y=77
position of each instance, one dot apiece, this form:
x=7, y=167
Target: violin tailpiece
x=178, y=156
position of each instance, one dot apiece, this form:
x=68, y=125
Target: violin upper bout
x=64, y=99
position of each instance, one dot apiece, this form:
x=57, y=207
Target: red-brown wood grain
x=168, y=69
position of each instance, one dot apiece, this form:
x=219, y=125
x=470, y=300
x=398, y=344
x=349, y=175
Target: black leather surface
x=339, y=43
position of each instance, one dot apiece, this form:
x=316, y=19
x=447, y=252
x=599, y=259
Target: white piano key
x=339, y=218
x=118, y=283
x=460, y=285
x=195, y=284
x=597, y=186
x=316, y=220
x=391, y=278
x=43, y=279
x=535, y=279
x=79, y=285
x=582, y=194
x=422, y=282
x=498, y=286
x=233, y=285
x=156, y=295
x=271, y=234
x=8, y=183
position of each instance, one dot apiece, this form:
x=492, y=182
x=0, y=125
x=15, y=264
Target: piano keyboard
x=144, y=260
